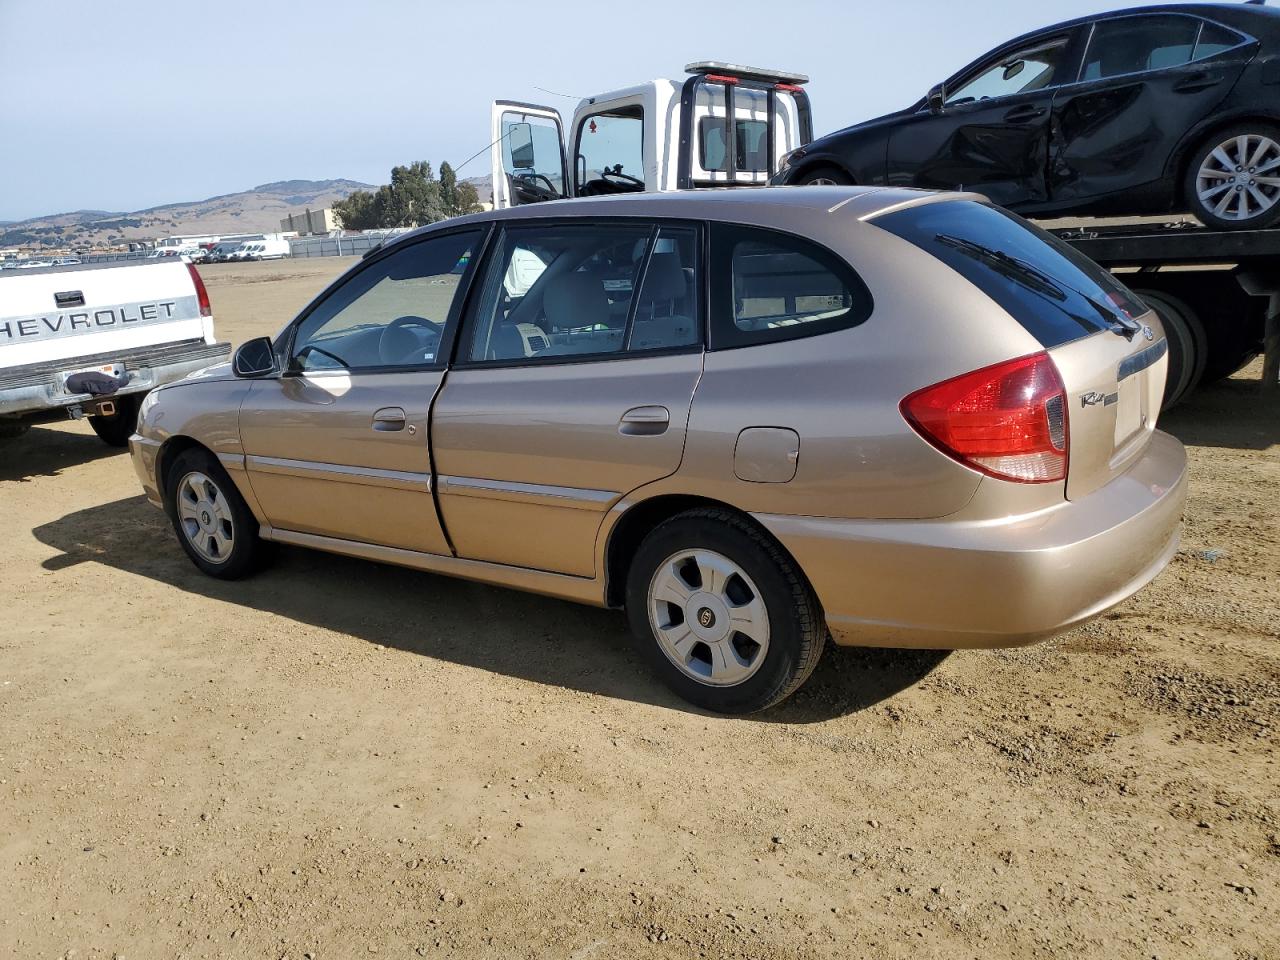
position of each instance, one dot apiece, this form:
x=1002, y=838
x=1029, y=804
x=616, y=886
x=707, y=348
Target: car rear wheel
x=116, y=429
x=1233, y=181
x=725, y=616
x=213, y=523
x=824, y=176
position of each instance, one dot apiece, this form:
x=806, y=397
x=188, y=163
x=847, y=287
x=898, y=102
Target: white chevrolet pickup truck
x=90, y=340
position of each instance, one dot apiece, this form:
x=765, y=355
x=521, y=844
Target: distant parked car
x=749, y=416
x=1141, y=111
x=65, y=261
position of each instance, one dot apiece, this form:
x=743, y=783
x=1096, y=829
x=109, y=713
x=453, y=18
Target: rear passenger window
x=774, y=286
x=1214, y=40
x=1136, y=44
x=556, y=292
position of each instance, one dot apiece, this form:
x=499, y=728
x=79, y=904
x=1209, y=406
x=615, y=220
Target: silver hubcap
x=708, y=617
x=822, y=182
x=205, y=517
x=1240, y=178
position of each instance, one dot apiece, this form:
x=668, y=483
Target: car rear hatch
x=1103, y=341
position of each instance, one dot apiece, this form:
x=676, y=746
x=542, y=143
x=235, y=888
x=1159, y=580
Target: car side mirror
x=936, y=97
x=254, y=358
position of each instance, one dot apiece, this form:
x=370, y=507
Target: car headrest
x=665, y=280
x=575, y=300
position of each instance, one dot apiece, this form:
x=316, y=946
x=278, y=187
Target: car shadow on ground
x=1232, y=413
x=42, y=452
x=516, y=634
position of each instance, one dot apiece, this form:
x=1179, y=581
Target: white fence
x=353, y=245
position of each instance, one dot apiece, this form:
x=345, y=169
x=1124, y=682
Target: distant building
x=310, y=223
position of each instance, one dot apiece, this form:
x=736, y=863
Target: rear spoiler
x=732, y=76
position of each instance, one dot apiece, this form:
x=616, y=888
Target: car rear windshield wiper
x=1010, y=266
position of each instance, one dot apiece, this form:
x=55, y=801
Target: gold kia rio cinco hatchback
x=752, y=418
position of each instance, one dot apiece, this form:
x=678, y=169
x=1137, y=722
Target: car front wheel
x=213, y=523
x=725, y=616
x=1233, y=181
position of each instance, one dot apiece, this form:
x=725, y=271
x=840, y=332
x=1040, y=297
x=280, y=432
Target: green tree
x=414, y=197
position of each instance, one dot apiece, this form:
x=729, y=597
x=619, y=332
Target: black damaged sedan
x=1143, y=111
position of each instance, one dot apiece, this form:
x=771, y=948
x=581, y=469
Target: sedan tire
x=824, y=176
x=213, y=523
x=1233, y=180
x=725, y=616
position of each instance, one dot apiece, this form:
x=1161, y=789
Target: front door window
x=392, y=314
x=1036, y=68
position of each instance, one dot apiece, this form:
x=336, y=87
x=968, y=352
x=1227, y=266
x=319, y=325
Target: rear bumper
x=33, y=391
x=947, y=585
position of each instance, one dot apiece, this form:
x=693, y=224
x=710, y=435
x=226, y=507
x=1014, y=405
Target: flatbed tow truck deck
x=1217, y=292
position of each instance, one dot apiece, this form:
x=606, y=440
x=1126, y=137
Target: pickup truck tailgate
x=48, y=314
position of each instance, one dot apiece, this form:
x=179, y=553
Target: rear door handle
x=389, y=419
x=649, y=421
x=1197, y=82
x=1022, y=114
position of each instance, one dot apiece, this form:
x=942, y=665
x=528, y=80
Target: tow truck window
x=753, y=139
x=531, y=157
x=610, y=152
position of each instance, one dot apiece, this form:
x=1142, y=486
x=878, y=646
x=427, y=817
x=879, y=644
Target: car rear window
x=1055, y=292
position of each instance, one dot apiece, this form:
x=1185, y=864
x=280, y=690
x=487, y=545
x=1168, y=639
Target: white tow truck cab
x=725, y=125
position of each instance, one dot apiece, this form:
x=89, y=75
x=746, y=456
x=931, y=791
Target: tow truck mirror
x=936, y=97
x=254, y=358
x=520, y=137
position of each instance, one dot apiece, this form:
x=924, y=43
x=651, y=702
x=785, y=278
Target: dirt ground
x=339, y=759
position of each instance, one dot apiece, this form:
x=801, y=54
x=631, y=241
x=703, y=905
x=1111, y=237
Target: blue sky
x=107, y=104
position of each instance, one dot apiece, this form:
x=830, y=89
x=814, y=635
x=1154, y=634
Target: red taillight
x=1008, y=420
x=201, y=293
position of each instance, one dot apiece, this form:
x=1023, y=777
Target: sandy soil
x=338, y=759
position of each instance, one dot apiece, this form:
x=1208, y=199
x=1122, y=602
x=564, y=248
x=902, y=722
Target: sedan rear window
x=1055, y=292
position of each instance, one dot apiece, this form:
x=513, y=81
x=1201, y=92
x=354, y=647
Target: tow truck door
x=527, y=154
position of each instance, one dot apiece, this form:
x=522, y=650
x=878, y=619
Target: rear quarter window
x=771, y=286
x=1056, y=293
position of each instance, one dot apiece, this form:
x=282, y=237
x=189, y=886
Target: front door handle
x=1197, y=82
x=1023, y=114
x=389, y=419
x=649, y=421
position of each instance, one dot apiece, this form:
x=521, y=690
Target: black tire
x=248, y=552
x=797, y=627
x=824, y=175
x=116, y=429
x=1188, y=344
x=1190, y=191
x=13, y=429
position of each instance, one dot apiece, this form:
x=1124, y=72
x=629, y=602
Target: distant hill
x=259, y=210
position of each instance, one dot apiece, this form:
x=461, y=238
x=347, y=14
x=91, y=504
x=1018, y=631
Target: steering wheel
x=529, y=182
x=311, y=348
x=616, y=172
x=399, y=345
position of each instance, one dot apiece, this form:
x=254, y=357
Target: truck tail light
x=1007, y=420
x=201, y=293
